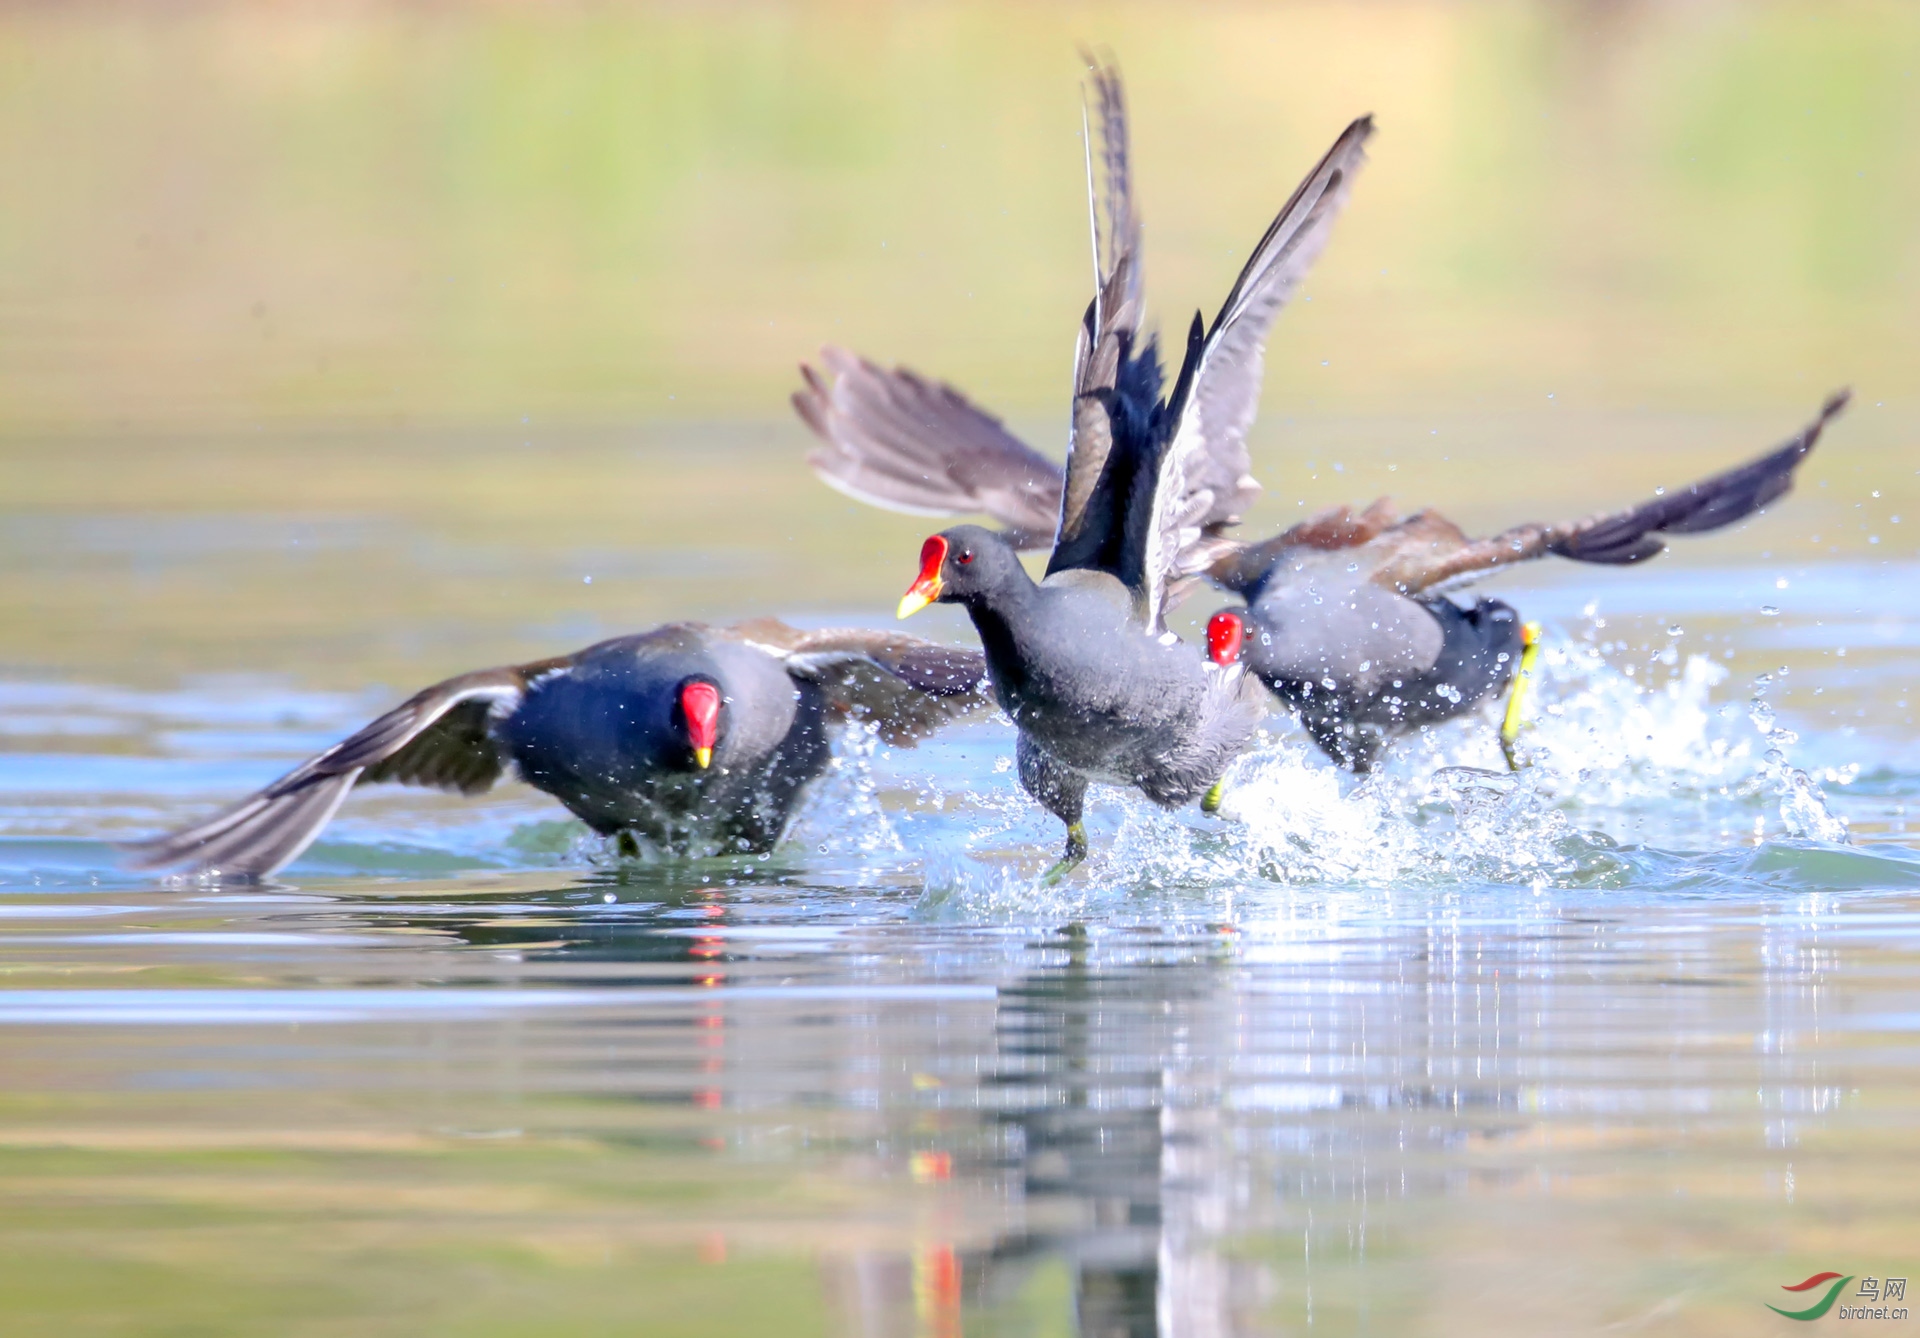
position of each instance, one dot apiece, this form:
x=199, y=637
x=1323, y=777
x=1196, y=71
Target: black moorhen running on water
x=1347, y=624
x=1096, y=686
x=694, y=739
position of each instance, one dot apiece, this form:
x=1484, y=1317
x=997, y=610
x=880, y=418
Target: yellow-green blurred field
x=250, y=215
x=514, y=292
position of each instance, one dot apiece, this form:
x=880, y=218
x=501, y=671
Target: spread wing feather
x=1204, y=476
x=1111, y=325
x=437, y=738
x=1436, y=552
x=906, y=687
x=895, y=439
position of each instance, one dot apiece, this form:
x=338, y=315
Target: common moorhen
x=1350, y=630
x=1082, y=661
x=1346, y=622
x=693, y=739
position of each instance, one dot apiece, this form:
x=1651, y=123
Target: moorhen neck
x=1081, y=660
x=691, y=739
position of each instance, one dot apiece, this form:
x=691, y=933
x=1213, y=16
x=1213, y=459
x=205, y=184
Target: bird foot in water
x=626, y=846
x=1075, y=853
x=1515, y=717
x=1211, y=801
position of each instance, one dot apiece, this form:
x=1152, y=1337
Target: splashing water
x=1611, y=757
x=1803, y=806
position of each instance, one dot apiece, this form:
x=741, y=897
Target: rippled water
x=1626, y=1040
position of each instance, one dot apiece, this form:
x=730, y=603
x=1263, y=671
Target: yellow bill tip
x=704, y=756
x=911, y=603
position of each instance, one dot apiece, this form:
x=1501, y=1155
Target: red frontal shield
x=700, y=703
x=1226, y=634
x=926, y=586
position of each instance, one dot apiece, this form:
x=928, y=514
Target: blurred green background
x=507, y=294
x=297, y=213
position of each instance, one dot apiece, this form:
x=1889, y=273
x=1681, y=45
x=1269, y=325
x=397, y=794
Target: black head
x=959, y=565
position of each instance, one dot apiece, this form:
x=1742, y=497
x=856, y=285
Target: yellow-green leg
x=1517, y=695
x=1211, y=802
x=1075, y=853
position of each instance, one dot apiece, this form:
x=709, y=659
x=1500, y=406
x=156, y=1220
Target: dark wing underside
x=1128, y=503
x=1150, y=493
x=436, y=738
x=1092, y=504
x=905, y=687
x=899, y=441
x=1426, y=550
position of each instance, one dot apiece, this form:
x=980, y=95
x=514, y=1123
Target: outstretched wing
x=1441, y=553
x=906, y=687
x=1243, y=566
x=897, y=440
x=1108, y=330
x=1204, y=477
x=437, y=737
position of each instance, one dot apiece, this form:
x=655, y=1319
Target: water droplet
x=1675, y=630
x=1769, y=611
x=586, y=580
x=1780, y=584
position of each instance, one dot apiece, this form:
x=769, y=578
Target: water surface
x=1625, y=1040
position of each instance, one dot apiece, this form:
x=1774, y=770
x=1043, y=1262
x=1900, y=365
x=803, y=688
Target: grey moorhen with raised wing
x=1345, y=619
x=691, y=739
x=1081, y=660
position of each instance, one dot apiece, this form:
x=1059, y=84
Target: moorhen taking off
x=1344, y=621
x=693, y=739
x=1082, y=661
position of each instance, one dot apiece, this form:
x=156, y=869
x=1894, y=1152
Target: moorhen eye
x=964, y=558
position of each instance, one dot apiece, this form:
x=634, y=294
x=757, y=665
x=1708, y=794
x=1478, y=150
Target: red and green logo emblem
x=1824, y=1304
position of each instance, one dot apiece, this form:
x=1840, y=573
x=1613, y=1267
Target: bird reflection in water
x=1104, y=1178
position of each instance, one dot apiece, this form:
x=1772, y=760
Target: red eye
x=966, y=556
